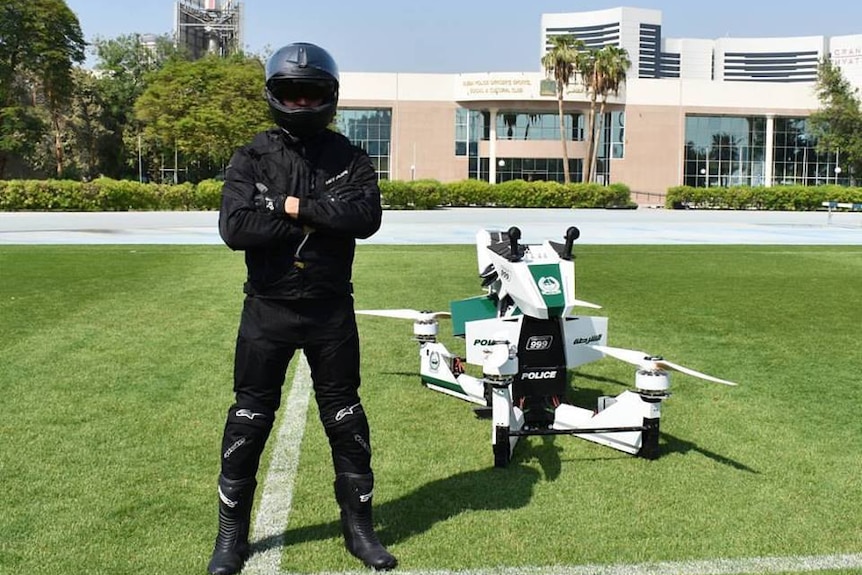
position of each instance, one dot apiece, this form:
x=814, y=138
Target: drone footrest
x=533, y=431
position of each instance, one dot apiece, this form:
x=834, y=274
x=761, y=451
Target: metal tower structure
x=209, y=27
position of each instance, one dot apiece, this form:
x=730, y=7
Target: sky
x=462, y=36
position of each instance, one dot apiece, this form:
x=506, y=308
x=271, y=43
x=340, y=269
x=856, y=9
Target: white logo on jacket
x=334, y=179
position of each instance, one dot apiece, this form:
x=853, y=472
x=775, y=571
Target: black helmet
x=302, y=69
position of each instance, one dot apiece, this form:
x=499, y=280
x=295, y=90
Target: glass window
x=611, y=144
x=724, y=150
x=728, y=151
x=469, y=126
x=462, y=131
x=618, y=135
x=514, y=125
x=529, y=169
x=795, y=157
x=371, y=130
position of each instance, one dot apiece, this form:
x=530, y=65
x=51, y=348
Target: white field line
x=749, y=566
x=274, y=509
x=752, y=566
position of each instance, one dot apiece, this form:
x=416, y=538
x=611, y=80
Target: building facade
x=209, y=27
x=730, y=111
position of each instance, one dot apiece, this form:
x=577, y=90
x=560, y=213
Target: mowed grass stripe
x=750, y=566
x=273, y=515
x=115, y=369
x=116, y=364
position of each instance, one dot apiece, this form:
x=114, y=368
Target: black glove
x=269, y=202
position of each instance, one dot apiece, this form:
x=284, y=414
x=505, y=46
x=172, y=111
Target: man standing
x=295, y=200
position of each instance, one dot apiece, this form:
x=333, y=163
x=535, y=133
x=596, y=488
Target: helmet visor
x=285, y=90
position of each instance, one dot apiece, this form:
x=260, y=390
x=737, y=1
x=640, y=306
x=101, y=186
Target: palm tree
x=561, y=62
x=603, y=72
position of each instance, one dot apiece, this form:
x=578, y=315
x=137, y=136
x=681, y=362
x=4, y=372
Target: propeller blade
x=405, y=314
x=637, y=358
x=691, y=372
x=644, y=360
x=582, y=303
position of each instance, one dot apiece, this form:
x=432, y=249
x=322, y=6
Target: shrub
x=417, y=194
x=105, y=194
x=789, y=198
x=125, y=195
x=467, y=193
x=207, y=195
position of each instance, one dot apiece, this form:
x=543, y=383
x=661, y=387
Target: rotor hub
x=424, y=329
x=499, y=381
x=652, y=382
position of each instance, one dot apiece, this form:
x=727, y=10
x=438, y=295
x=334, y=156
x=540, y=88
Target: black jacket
x=339, y=201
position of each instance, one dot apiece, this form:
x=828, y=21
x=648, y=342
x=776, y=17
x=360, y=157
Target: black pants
x=270, y=332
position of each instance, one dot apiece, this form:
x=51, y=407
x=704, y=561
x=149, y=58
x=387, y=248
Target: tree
x=203, y=109
x=837, y=125
x=58, y=51
x=89, y=134
x=19, y=126
x=561, y=62
x=605, y=72
x=122, y=69
x=40, y=41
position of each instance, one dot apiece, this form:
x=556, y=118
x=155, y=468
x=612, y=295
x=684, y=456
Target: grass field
x=115, y=366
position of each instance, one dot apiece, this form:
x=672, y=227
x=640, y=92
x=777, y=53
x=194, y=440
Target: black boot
x=353, y=493
x=234, y=515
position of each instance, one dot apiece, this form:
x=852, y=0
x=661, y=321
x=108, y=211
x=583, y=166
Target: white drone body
x=524, y=334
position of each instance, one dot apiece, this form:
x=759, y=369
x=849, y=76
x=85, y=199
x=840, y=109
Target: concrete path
x=459, y=226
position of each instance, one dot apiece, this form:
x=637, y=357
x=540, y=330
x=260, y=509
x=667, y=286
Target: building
x=209, y=27
x=695, y=112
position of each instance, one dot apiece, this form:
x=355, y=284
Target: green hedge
x=427, y=194
x=788, y=198
x=105, y=194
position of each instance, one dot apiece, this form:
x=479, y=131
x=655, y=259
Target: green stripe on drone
x=444, y=384
x=550, y=284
